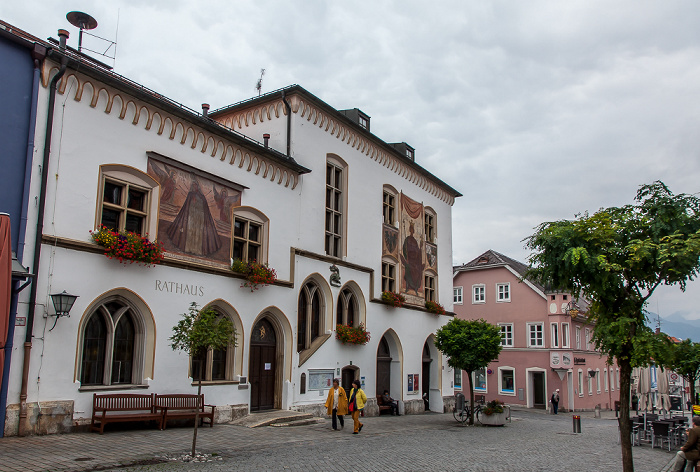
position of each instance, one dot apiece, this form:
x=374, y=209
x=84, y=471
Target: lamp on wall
x=591, y=373
x=571, y=309
x=62, y=304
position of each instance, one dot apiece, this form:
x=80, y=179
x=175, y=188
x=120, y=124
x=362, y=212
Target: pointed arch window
x=215, y=364
x=347, y=312
x=309, y=315
x=112, y=346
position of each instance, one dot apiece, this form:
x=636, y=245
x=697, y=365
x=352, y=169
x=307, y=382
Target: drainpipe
x=38, y=54
x=289, y=124
x=63, y=35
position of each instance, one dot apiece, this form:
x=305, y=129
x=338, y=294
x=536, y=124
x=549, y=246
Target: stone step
x=257, y=420
x=301, y=422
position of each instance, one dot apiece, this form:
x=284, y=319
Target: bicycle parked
x=462, y=414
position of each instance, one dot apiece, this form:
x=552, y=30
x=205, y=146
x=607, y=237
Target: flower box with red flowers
x=394, y=299
x=434, y=307
x=128, y=247
x=256, y=274
x=352, y=335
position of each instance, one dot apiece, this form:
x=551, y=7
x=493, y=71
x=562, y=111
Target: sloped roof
x=491, y=259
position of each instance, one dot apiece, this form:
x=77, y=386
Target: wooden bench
x=183, y=406
x=123, y=407
x=382, y=406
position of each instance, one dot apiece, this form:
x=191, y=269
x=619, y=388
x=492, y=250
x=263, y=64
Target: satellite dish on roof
x=82, y=21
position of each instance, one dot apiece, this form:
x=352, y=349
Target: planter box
x=497, y=419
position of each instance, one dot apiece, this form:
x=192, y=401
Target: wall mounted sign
x=579, y=361
x=268, y=366
x=179, y=288
x=410, y=383
x=321, y=379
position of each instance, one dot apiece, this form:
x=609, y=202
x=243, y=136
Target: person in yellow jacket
x=337, y=405
x=356, y=404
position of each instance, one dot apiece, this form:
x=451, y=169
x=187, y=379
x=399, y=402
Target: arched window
x=215, y=364
x=112, y=350
x=309, y=315
x=347, y=312
x=250, y=235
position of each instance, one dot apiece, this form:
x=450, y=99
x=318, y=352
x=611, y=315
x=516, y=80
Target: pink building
x=545, y=335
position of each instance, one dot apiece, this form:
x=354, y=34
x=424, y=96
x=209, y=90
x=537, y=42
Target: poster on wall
x=320, y=379
x=412, y=244
x=416, y=384
x=410, y=383
x=194, y=217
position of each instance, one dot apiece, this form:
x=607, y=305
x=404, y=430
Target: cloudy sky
x=534, y=110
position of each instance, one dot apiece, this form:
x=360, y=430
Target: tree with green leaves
x=685, y=360
x=200, y=331
x=470, y=345
x=616, y=258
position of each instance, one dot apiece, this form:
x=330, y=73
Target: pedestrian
x=387, y=400
x=337, y=405
x=689, y=452
x=356, y=404
x=555, y=402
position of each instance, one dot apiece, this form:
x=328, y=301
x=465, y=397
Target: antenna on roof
x=258, y=85
x=84, y=21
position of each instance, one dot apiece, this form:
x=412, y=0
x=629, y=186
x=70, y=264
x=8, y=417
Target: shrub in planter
x=352, y=335
x=493, y=407
x=128, y=247
x=434, y=307
x=392, y=298
x=257, y=275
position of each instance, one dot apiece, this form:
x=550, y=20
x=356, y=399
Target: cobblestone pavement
x=532, y=442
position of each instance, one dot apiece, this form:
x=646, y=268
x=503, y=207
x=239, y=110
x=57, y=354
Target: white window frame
x=508, y=342
x=481, y=298
x=580, y=383
x=590, y=383
x=505, y=292
x=605, y=378
x=530, y=327
x=458, y=295
x=588, y=336
x=486, y=387
x=554, y=333
x=456, y=373
x=500, y=382
x=618, y=378
x=612, y=379
x=565, y=335
x=578, y=337
x=597, y=380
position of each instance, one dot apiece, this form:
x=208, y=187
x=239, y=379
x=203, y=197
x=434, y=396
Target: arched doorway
x=263, y=366
x=347, y=375
x=427, y=365
x=383, y=366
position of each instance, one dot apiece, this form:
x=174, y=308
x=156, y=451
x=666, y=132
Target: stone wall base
x=57, y=417
x=414, y=407
x=42, y=418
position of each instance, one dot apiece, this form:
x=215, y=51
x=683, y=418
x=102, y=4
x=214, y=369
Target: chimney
x=205, y=109
x=266, y=140
x=63, y=37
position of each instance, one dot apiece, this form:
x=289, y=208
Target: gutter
x=63, y=34
x=38, y=54
x=289, y=124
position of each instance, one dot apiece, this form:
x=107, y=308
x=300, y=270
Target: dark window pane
x=113, y=193
x=134, y=223
x=351, y=311
x=123, y=357
x=339, y=311
x=239, y=228
x=137, y=199
x=199, y=363
x=329, y=174
x=315, y=316
x=338, y=178
x=329, y=197
x=336, y=224
x=218, y=365
x=329, y=220
x=337, y=202
x=301, y=321
x=110, y=218
x=238, y=247
x=253, y=252
x=336, y=248
x=254, y=232
x=93, y=362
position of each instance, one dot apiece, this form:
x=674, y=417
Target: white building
x=325, y=192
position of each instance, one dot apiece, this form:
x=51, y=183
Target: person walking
x=356, y=404
x=337, y=405
x=689, y=453
x=555, y=402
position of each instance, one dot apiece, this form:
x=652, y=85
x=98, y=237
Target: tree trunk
x=471, y=400
x=196, y=414
x=624, y=419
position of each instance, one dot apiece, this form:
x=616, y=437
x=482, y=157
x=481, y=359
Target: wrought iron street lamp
x=62, y=303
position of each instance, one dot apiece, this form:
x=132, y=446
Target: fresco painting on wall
x=431, y=256
x=412, y=249
x=194, y=219
x=390, y=242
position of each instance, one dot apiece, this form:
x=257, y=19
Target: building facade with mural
x=283, y=179
x=546, y=339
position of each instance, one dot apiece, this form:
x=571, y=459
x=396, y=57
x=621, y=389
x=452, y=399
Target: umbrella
x=5, y=284
x=644, y=389
x=662, y=387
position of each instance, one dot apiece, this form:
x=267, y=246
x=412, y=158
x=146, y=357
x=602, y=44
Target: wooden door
x=540, y=396
x=263, y=366
x=347, y=376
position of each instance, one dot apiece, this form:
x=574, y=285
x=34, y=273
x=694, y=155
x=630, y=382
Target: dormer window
x=363, y=122
x=409, y=153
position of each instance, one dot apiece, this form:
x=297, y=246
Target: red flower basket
x=257, y=275
x=128, y=247
x=351, y=335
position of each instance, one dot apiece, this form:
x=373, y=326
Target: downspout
x=289, y=124
x=38, y=54
x=63, y=35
